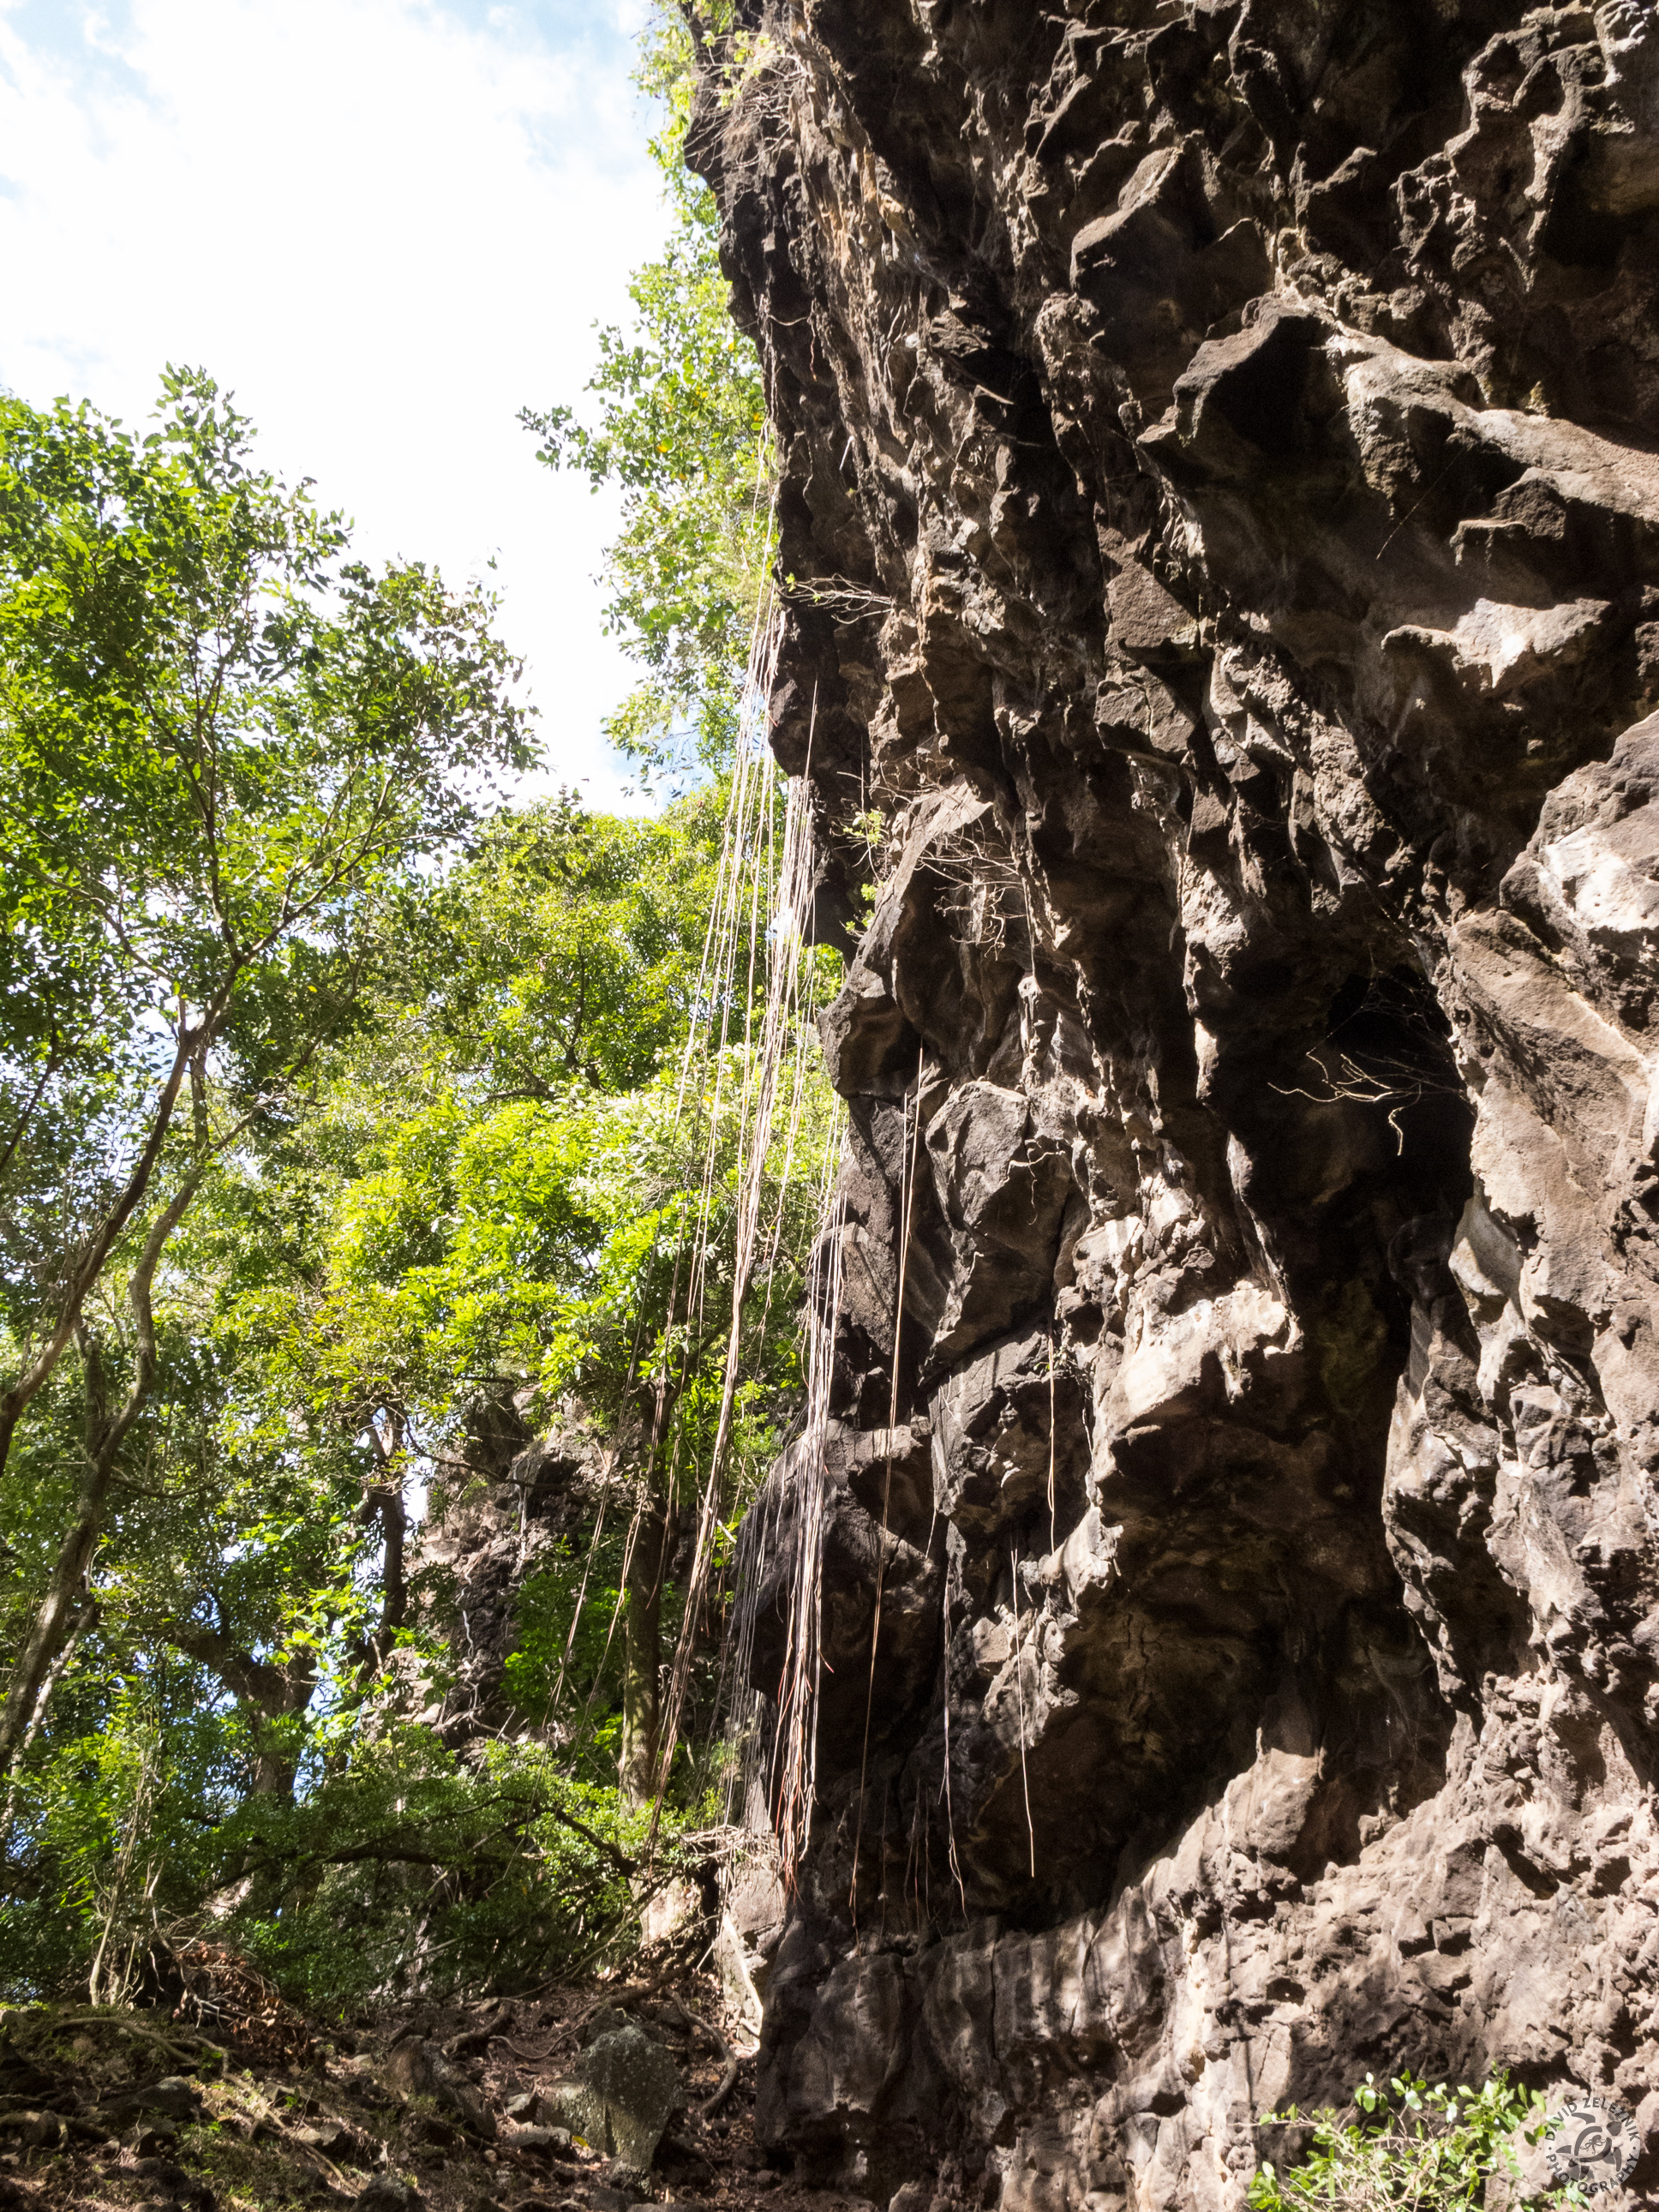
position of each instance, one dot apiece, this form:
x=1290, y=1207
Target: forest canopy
x=680, y=428
x=381, y=1193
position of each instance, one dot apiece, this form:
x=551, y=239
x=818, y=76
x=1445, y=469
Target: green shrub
x=1432, y=2149
x=413, y=1869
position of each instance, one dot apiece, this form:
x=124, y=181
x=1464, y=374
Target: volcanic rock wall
x=1220, y=515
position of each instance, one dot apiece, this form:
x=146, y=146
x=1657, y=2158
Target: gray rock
x=173, y=2099
x=618, y=2095
x=384, y=2194
x=1223, y=444
x=334, y=2138
x=174, y=2095
x=740, y=1977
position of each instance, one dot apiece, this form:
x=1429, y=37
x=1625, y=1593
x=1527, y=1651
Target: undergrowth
x=1432, y=2149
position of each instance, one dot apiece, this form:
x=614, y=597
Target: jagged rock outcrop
x=511, y=1506
x=1220, y=500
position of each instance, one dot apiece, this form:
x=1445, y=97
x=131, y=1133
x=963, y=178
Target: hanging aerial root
x=764, y=894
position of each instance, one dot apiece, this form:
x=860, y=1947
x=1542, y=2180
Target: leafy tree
x=451, y=1149
x=682, y=430
x=499, y=1865
x=570, y=948
x=544, y=1202
x=221, y=741
x=496, y=1196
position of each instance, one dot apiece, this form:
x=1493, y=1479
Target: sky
x=384, y=225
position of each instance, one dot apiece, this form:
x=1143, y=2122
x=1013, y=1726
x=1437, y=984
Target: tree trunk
x=384, y=1501
x=60, y=1608
x=268, y=1694
x=187, y=1057
x=648, y=1558
x=643, y=1654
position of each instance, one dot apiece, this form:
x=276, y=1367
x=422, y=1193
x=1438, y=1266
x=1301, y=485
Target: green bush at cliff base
x=1433, y=2149
x=468, y=1125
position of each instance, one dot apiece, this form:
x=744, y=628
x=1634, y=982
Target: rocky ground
x=433, y=2110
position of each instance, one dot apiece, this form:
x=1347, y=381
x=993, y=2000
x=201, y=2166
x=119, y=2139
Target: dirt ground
x=111, y=2111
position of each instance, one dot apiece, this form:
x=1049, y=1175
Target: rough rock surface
x=1221, y=494
x=505, y=1511
x=618, y=2095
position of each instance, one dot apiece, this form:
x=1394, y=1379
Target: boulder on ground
x=172, y=2098
x=335, y=2140
x=618, y=2096
x=384, y=2194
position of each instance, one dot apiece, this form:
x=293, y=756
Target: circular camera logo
x=1593, y=2142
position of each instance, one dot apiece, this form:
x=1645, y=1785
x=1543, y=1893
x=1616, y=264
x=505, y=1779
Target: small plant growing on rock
x=1432, y=2149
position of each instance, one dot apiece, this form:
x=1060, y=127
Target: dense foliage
x=222, y=747
x=361, y=1131
x=1410, y=2144
x=470, y=1226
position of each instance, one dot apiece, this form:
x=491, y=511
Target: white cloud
x=387, y=225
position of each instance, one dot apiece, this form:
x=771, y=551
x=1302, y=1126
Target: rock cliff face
x=1221, y=496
